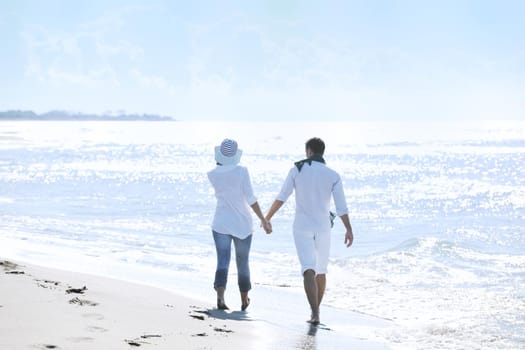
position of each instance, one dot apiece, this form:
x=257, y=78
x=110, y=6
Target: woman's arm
x=264, y=223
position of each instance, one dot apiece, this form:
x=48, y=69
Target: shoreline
x=46, y=308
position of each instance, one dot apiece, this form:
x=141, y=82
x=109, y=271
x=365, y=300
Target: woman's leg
x=242, y=254
x=223, y=248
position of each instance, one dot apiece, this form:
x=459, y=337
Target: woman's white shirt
x=234, y=193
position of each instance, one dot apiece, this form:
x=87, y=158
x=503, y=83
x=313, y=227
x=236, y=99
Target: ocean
x=438, y=212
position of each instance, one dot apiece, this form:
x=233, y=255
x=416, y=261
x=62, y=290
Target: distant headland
x=73, y=116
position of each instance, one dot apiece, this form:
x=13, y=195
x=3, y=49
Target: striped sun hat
x=228, y=153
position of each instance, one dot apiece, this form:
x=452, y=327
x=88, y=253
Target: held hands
x=267, y=226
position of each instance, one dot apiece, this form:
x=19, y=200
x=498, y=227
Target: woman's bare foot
x=245, y=301
x=245, y=304
x=221, y=305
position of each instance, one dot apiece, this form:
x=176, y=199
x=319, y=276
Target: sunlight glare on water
x=437, y=211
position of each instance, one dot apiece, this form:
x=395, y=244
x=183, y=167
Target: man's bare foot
x=314, y=320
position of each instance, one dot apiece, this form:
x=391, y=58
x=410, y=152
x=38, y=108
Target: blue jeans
x=223, y=245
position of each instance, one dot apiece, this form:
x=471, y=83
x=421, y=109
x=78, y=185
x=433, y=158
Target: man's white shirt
x=315, y=185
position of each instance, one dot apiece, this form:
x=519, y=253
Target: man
x=314, y=184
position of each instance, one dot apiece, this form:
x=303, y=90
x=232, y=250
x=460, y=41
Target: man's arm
x=349, y=236
x=286, y=191
x=277, y=204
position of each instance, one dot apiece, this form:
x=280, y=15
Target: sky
x=266, y=60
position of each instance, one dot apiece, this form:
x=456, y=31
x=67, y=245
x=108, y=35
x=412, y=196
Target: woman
x=232, y=220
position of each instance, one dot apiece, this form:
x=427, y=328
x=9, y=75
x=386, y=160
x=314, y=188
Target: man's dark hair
x=316, y=145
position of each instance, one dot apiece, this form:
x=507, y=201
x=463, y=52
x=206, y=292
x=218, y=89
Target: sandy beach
x=43, y=308
x=49, y=309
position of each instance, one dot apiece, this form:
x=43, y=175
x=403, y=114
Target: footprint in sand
x=203, y=334
x=93, y=316
x=202, y=316
x=95, y=329
x=222, y=330
x=80, y=339
x=76, y=290
x=11, y=268
x=140, y=341
x=56, y=283
x=82, y=302
x=46, y=346
x=133, y=343
x=198, y=317
x=8, y=265
x=47, y=284
x=147, y=336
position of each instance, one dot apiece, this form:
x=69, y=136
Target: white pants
x=313, y=249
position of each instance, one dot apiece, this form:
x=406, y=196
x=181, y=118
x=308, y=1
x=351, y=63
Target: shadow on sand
x=225, y=315
x=312, y=330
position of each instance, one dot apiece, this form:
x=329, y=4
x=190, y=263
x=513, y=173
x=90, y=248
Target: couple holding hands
x=314, y=184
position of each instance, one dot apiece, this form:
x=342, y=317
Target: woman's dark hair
x=316, y=145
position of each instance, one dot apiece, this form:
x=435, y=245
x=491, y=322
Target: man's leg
x=305, y=246
x=310, y=287
x=321, y=286
x=322, y=248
